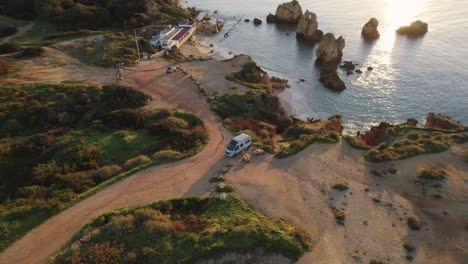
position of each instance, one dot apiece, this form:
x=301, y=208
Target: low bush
x=134, y=162
x=31, y=52
x=123, y=96
x=342, y=186
x=166, y=155
x=339, y=215
x=8, y=47
x=431, y=172
x=107, y=172
x=409, y=247
x=4, y=67
x=413, y=223
x=125, y=118
x=6, y=31
x=465, y=154
x=226, y=188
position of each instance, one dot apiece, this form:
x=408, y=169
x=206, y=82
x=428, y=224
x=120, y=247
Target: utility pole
x=136, y=42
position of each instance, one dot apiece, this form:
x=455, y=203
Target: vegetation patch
x=409, y=247
x=418, y=142
x=5, y=67
x=183, y=231
x=8, y=47
x=342, y=186
x=58, y=145
x=339, y=215
x=113, y=49
x=413, y=223
x=465, y=154
x=227, y=188
x=431, y=172
x=6, y=31
x=260, y=115
x=31, y=52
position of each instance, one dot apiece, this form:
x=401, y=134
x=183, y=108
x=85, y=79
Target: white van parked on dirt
x=238, y=144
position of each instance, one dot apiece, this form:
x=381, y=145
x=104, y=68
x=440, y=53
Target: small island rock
x=257, y=21
x=307, y=27
x=369, y=31
x=289, y=12
x=416, y=29
x=330, y=50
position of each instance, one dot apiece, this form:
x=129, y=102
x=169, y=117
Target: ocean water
x=411, y=77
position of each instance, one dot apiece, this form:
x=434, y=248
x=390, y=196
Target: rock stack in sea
x=369, y=31
x=329, y=54
x=307, y=27
x=289, y=12
x=416, y=29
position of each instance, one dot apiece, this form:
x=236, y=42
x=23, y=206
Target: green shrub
x=106, y=172
x=413, y=136
x=4, y=67
x=122, y=96
x=431, y=172
x=465, y=154
x=166, y=155
x=172, y=126
x=125, y=118
x=226, y=188
x=6, y=31
x=134, y=162
x=8, y=47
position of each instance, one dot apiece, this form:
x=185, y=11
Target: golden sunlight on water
x=397, y=13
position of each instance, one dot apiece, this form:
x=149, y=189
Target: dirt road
x=184, y=178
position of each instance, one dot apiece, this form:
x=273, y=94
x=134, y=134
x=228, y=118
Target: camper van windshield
x=232, y=145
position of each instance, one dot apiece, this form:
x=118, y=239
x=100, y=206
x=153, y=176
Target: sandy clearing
x=57, y=66
x=298, y=189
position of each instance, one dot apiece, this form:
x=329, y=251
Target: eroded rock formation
x=416, y=29
x=376, y=134
x=369, y=31
x=289, y=12
x=331, y=80
x=208, y=29
x=307, y=27
x=441, y=121
x=330, y=50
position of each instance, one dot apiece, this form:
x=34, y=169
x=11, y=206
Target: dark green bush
x=6, y=31
x=8, y=47
x=125, y=118
x=123, y=96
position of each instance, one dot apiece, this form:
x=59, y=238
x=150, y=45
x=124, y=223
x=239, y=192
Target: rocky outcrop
x=208, y=29
x=329, y=54
x=307, y=27
x=376, y=134
x=335, y=123
x=289, y=12
x=411, y=122
x=369, y=31
x=257, y=21
x=416, y=29
x=330, y=50
x=331, y=80
x=441, y=121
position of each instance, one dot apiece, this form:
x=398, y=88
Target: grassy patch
x=415, y=143
x=227, y=188
x=431, y=172
x=291, y=146
x=8, y=21
x=62, y=143
x=115, y=48
x=465, y=154
x=184, y=231
x=356, y=142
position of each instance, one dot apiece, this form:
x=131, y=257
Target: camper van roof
x=241, y=137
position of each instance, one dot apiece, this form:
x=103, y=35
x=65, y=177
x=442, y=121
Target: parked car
x=170, y=70
x=238, y=144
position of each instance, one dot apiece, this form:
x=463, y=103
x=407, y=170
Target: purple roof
x=180, y=34
x=186, y=23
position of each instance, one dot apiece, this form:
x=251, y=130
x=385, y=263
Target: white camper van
x=238, y=144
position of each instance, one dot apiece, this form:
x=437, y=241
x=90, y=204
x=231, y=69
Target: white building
x=174, y=37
